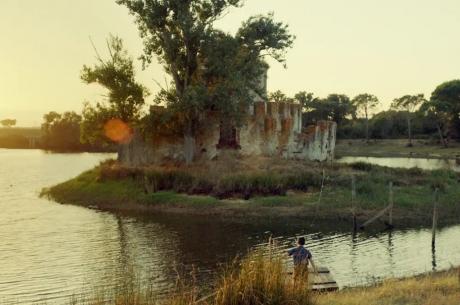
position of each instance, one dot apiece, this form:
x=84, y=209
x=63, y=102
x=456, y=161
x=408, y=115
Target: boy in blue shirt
x=301, y=256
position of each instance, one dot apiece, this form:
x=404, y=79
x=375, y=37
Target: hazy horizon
x=385, y=48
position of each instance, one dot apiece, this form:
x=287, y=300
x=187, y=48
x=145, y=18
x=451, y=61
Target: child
x=301, y=257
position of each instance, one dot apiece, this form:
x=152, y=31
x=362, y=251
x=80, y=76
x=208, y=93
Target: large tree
x=445, y=100
x=304, y=98
x=408, y=103
x=437, y=110
x=209, y=69
x=125, y=97
x=365, y=103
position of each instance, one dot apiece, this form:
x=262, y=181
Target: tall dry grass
x=260, y=280
x=254, y=280
x=431, y=289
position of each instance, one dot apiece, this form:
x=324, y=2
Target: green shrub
x=361, y=166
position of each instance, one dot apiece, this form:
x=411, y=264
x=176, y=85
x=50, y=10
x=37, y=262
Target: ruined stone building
x=271, y=129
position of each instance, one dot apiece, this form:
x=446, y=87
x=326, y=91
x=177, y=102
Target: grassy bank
x=432, y=289
x=265, y=187
x=396, y=148
x=259, y=280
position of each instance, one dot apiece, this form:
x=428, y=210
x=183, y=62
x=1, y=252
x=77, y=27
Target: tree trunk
x=443, y=141
x=189, y=144
x=367, y=128
x=409, y=130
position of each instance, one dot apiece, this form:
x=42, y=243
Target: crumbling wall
x=317, y=142
x=271, y=129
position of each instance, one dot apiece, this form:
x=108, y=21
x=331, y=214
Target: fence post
x=353, y=203
x=391, y=202
x=435, y=217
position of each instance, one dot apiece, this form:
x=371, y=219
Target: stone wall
x=271, y=129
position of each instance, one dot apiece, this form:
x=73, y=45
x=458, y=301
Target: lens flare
x=118, y=131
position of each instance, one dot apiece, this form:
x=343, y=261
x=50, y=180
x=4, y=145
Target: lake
x=427, y=164
x=49, y=252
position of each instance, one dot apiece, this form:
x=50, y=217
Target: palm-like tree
x=408, y=103
x=366, y=102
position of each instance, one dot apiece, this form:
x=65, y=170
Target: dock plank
x=322, y=281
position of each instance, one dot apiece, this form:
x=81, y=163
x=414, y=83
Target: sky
x=388, y=48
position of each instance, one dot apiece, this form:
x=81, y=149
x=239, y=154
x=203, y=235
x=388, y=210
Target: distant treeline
x=59, y=132
x=390, y=124
x=408, y=116
x=18, y=137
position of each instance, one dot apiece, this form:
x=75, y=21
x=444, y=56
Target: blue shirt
x=300, y=255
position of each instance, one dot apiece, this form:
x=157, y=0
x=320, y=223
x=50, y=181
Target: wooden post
x=322, y=186
x=390, y=199
x=435, y=217
x=353, y=204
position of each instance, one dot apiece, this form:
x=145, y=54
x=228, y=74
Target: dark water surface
x=49, y=252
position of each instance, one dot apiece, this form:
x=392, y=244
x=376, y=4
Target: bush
x=260, y=280
x=250, y=185
x=361, y=166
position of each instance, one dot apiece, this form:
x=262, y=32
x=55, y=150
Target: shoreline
x=413, y=199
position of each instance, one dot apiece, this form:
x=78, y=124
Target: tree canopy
x=408, y=103
x=125, y=99
x=365, y=103
x=61, y=131
x=335, y=107
x=279, y=97
x=116, y=74
x=8, y=122
x=209, y=68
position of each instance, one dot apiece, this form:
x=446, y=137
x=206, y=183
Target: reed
x=254, y=280
x=260, y=280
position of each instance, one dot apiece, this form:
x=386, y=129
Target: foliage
x=111, y=186
x=279, y=97
x=61, y=131
x=92, y=125
x=210, y=70
x=408, y=103
x=8, y=122
x=125, y=95
x=390, y=124
x=365, y=103
x=304, y=98
x=125, y=99
x=335, y=107
x=260, y=279
x=445, y=101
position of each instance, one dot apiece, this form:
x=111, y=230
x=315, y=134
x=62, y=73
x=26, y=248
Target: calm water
x=428, y=164
x=49, y=252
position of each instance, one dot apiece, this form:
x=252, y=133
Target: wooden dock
x=323, y=280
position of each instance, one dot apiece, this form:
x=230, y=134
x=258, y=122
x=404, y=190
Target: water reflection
x=50, y=251
x=427, y=164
